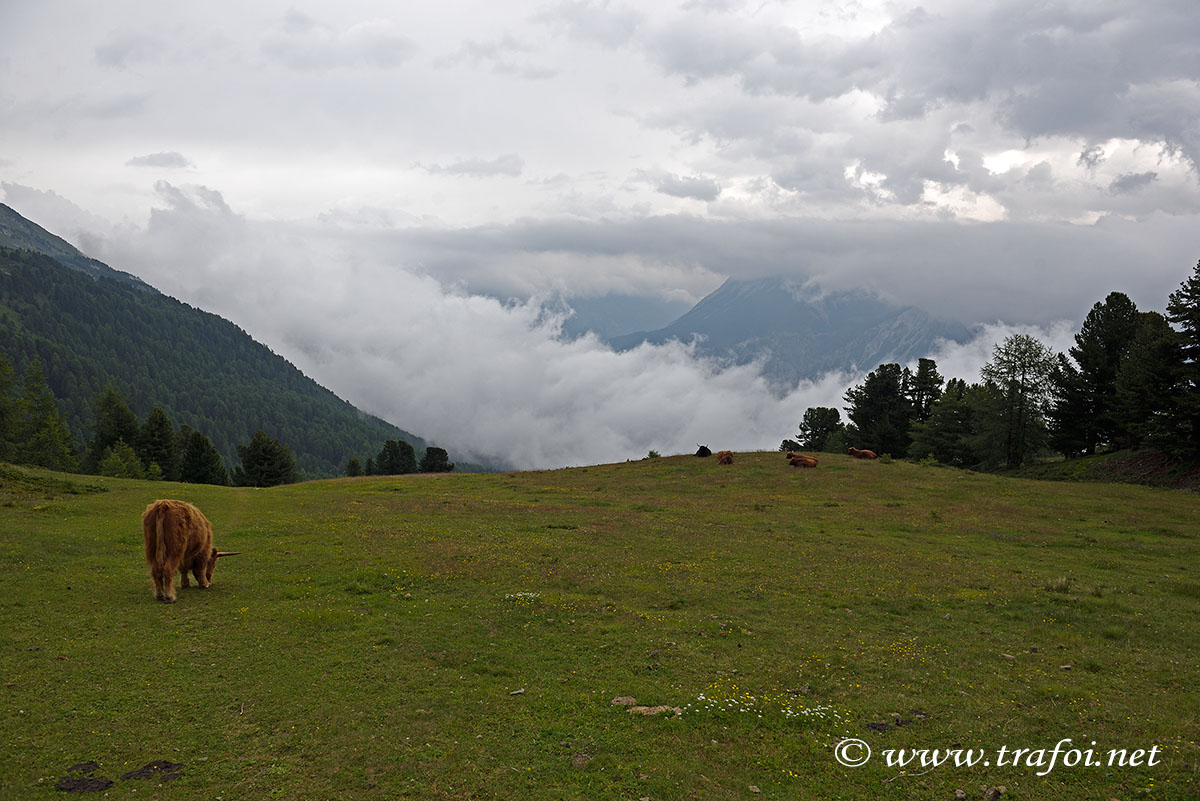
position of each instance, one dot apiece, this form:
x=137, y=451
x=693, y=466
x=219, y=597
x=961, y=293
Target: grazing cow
x=178, y=538
x=724, y=457
x=703, y=451
x=857, y=454
x=799, y=460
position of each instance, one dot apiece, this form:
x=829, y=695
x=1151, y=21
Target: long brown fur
x=178, y=538
x=800, y=460
x=724, y=457
x=856, y=453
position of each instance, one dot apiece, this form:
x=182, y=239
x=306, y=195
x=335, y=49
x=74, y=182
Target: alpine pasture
x=465, y=636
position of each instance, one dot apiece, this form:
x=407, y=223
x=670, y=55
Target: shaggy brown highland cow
x=178, y=538
x=857, y=454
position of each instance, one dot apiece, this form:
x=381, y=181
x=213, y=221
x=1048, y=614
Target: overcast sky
x=350, y=182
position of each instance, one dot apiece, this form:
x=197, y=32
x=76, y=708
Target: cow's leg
x=164, y=583
x=168, y=584
x=183, y=579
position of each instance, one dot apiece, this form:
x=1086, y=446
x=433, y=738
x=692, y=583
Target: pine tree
x=1183, y=310
x=396, y=457
x=43, y=437
x=1150, y=381
x=200, y=462
x=121, y=461
x=817, y=426
x=266, y=462
x=114, y=422
x=436, y=460
x=924, y=388
x=10, y=411
x=947, y=433
x=1084, y=415
x=156, y=444
x=354, y=467
x=1019, y=370
x=879, y=412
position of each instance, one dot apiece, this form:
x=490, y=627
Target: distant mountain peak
x=800, y=331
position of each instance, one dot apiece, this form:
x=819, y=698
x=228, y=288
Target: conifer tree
x=1084, y=414
x=1019, y=370
x=201, y=463
x=924, y=388
x=114, y=422
x=436, y=460
x=10, y=411
x=1150, y=381
x=1183, y=310
x=266, y=462
x=43, y=437
x=121, y=461
x=946, y=434
x=354, y=467
x=817, y=426
x=879, y=412
x=156, y=444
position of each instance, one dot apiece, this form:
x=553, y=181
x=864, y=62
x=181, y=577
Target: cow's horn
x=228, y=553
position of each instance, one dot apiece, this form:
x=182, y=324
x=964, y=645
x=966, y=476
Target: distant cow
x=724, y=457
x=799, y=460
x=857, y=454
x=178, y=538
x=703, y=451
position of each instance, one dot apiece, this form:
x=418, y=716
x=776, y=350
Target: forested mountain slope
x=90, y=328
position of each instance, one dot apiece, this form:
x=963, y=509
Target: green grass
x=371, y=640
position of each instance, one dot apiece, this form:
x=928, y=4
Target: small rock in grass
x=518, y=692
x=959, y=795
x=623, y=700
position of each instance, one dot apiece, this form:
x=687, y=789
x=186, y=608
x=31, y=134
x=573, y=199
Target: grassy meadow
x=464, y=636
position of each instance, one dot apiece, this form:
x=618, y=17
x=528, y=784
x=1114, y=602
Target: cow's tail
x=156, y=545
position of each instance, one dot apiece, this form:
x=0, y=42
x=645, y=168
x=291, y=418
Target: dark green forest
x=202, y=371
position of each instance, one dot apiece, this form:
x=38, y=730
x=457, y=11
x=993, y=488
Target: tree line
x=33, y=431
x=1131, y=380
x=397, y=457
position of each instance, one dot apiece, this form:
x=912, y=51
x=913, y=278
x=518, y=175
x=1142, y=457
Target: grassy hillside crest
x=465, y=636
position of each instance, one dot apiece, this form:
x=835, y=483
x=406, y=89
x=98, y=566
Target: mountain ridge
x=799, y=334
x=90, y=325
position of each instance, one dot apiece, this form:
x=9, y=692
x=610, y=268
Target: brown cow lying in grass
x=178, y=538
x=800, y=460
x=857, y=454
x=724, y=457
